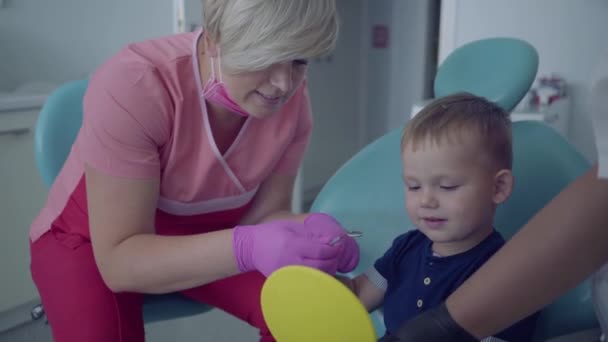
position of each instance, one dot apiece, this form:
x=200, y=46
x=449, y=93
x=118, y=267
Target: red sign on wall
x=380, y=36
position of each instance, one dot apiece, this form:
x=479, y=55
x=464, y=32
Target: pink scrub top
x=144, y=117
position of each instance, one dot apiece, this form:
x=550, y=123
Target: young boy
x=456, y=156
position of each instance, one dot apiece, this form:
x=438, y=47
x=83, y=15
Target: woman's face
x=262, y=93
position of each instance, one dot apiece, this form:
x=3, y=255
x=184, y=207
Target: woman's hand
x=268, y=246
x=326, y=228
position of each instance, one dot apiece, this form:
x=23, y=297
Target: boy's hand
x=346, y=281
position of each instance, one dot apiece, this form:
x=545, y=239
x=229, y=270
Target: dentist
x=181, y=176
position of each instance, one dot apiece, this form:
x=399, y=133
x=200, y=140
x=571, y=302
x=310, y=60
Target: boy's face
x=452, y=190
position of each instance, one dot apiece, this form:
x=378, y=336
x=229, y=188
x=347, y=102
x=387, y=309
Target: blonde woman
x=181, y=176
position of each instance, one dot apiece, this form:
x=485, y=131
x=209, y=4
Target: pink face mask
x=215, y=91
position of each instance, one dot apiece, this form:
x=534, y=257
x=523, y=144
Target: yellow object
x=302, y=304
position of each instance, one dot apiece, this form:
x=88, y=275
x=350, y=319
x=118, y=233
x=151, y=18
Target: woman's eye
x=413, y=188
x=300, y=62
x=449, y=187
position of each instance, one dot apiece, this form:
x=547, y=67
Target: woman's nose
x=281, y=76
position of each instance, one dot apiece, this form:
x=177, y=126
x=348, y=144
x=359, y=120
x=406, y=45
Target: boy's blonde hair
x=464, y=113
x=254, y=34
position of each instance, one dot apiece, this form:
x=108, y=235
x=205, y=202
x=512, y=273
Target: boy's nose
x=428, y=200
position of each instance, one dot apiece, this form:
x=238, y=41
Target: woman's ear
x=503, y=186
x=210, y=47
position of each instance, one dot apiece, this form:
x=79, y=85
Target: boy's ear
x=503, y=186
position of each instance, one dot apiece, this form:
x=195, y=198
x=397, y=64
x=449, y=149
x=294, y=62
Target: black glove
x=435, y=325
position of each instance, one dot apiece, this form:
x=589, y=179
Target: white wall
x=6, y=80
x=401, y=74
x=378, y=68
x=364, y=91
x=60, y=40
x=413, y=57
x=335, y=88
x=193, y=10
x=568, y=35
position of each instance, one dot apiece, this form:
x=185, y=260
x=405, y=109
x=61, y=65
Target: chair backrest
x=367, y=194
x=499, y=69
x=58, y=124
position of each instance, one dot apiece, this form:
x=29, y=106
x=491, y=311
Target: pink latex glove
x=268, y=246
x=328, y=228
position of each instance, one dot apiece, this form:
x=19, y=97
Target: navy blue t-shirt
x=417, y=280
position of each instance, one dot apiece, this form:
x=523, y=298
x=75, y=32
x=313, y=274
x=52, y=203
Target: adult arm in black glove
x=434, y=325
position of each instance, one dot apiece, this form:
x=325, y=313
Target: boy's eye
x=449, y=187
x=413, y=188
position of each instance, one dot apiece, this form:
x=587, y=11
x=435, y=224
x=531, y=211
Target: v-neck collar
x=222, y=158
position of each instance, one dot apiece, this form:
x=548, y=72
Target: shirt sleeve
x=126, y=112
x=294, y=153
x=492, y=339
x=385, y=265
x=376, y=278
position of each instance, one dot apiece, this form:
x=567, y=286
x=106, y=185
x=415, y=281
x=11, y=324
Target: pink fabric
x=215, y=91
x=144, y=117
x=70, y=285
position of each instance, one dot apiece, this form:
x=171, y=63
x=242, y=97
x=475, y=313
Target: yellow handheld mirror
x=302, y=304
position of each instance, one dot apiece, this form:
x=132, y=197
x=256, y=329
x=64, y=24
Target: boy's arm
x=369, y=294
x=370, y=286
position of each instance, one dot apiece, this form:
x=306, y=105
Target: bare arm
x=273, y=201
x=131, y=257
x=370, y=296
x=571, y=232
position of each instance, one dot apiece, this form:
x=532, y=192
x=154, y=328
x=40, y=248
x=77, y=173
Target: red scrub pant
x=80, y=307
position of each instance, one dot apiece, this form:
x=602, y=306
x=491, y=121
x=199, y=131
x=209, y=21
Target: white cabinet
x=555, y=115
x=22, y=194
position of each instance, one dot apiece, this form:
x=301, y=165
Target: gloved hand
x=268, y=246
x=434, y=325
x=328, y=228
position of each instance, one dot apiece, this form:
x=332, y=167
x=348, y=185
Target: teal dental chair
x=56, y=129
x=367, y=194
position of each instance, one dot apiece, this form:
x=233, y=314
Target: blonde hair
x=254, y=34
x=462, y=113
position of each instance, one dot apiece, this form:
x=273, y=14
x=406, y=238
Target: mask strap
x=219, y=64
x=210, y=84
x=212, y=76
